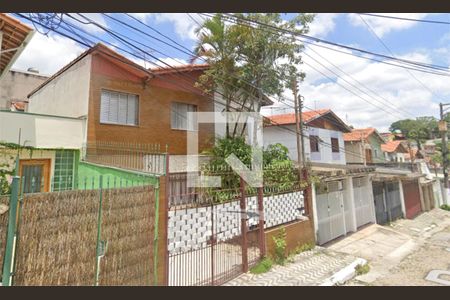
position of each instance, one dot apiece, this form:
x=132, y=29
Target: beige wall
x=16, y=85
x=66, y=95
x=42, y=131
x=8, y=157
x=353, y=152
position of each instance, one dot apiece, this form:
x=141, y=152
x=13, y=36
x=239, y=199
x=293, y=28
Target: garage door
x=393, y=201
x=330, y=211
x=412, y=198
x=379, y=201
x=363, y=201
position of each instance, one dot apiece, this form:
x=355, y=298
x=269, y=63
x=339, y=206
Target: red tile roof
x=362, y=133
x=393, y=146
x=180, y=68
x=286, y=119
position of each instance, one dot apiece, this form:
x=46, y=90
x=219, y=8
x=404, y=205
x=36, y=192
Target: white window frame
x=120, y=102
x=175, y=124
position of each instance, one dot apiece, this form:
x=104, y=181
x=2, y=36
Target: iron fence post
x=11, y=238
x=99, y=226
x=262, y=238
x=243, y=228
x=156, y=237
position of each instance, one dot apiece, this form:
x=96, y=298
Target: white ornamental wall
x=191, y=228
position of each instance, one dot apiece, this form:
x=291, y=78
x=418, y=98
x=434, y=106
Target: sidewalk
x=319, y=266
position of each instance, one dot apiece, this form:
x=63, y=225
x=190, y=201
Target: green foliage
x=419, y=130
x=279, y=173
x=304, y=247
x=445, y=207
x=248, y=62
x=280, y=247
x=263, y=266
x=362, y=269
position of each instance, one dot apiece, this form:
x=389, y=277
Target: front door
x=369, y=156
x=35, y=175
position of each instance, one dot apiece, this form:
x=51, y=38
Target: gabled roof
x=98, y=48
x=15, y=37
x=394, y=146
x=180, y=68
x=362, y=133
x=308, y=117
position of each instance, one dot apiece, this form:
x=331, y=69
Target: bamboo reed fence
x=59, y=233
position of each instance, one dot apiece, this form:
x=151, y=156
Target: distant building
x=16, y=85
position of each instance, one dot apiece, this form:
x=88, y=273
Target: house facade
x=125, y=103
x=323, y=135
x=363, y=146
x=394, y=151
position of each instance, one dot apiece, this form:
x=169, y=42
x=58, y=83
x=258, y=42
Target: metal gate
x=387, y=200
x=411, y=194
x=393, y=201
x=209, y=239
x=380, y=204
x=363, y=202
x=330, y=211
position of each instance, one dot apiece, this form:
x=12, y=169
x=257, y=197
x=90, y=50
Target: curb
x=344, y=274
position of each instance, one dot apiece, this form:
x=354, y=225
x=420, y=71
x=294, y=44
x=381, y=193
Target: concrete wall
x=66, y=95
x=287, y=137
x=41, y=131
x=16, y=85
x=353, y=152
x=8, y=157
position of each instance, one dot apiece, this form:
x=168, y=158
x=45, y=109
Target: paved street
x=404, y=253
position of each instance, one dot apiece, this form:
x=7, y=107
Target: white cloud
x=184, y=26
x=48, y=54
x=95, y=17
x=389, y=85
x=322, y=25
x=383, y=26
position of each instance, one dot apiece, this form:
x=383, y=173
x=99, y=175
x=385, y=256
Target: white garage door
x=330, y=211
x=363, y=202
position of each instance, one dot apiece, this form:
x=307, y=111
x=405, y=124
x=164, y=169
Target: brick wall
x=155, y=98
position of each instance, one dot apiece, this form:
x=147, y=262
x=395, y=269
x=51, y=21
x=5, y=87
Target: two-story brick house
x=124, y=102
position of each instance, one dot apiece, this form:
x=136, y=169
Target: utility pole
x=443, y=130
x=297, y=126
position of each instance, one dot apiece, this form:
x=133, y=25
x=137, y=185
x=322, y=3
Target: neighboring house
x=429, y=148
x=14, y=37
x=47, y=148
x=124, y=102
x=389, y=136
x=394, y=151
x=363, y=146
x=323, y=135
x=15, y=86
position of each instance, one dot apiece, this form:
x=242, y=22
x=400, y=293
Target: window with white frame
x=119, y=108
x=181, y=119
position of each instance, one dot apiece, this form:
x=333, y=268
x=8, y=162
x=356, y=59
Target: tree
x=249, y=62
x=419, y=130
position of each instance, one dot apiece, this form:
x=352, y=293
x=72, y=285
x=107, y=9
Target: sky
x=362, y=92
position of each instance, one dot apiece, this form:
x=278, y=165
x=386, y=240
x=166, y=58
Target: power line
x=378, y=107
x=286, y=31
x=407, y=19
x=117, y=58
x=389, y=50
